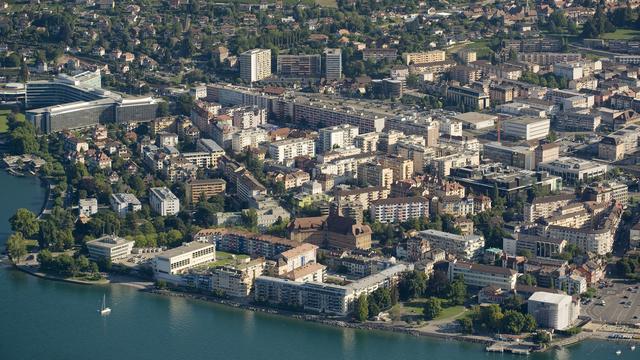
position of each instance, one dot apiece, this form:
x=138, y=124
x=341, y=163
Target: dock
x=501, y=347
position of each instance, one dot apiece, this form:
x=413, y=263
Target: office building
x=519, y=156
x=109, y=247
x=554, y=311
x=480, y=275
x=574, y=170
x=255, y=65
x=526, y=128
x=163, y=201
x=476, y=121
x=397, y=210
x=187, y=256
x=333, y=64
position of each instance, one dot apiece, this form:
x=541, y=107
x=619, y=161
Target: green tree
x=250, y=219
x=16, y=247
x=513, y=322
x=458, y=292
x=432, y=308
x=412, y=285
x=362, y=308
x=466, y=325
x=25, y=222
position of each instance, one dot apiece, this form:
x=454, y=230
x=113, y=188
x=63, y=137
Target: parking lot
x=621, y=304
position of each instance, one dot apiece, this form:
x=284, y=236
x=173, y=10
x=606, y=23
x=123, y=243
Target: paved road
x=614, y=311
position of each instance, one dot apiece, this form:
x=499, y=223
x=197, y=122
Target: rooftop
x=184, y=249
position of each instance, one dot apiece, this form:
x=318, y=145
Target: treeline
x=494, y=319
x=368, y=306
x=66, y=265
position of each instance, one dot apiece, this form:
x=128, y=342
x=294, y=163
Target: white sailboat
x=104, y=310
x=618, y=352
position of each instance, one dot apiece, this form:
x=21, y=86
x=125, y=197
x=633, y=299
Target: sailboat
x=618, y=352
x=633, y=347
x=104, y=310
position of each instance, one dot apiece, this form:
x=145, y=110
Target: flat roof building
x=555, y=311
x=109, y=247
x=163, y=201
x=178, y=260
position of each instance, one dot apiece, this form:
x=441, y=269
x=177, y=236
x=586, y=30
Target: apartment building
x=178, y=260
x=123, y=203
x=248, y=117
x=537, y=246
x=362, y=196
x=203, y=189
x=395, y=210
x=243, y=242
x=423, y=57
x=554, y=311
x=163, y=201
x=109, y=247
x=379, y=54
x=548, y=58
x=339, y=136
x=286, y=150
x=480, y=275
x=320, y=113
x=367, y=142
x=295, y=258
x=526, y=128
x=374, y=174
x=403, y=168
x=544, y=206
x=248, y=187
x=236, y=280
x=463, y=246
x=248, y=139
x=443, y=165
x=605, y=192
x=333, y=64
x=212, y=148
x=622, y=142
x=300, y=66
x=255, y=65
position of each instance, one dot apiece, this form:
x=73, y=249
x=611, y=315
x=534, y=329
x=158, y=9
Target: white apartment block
x=367, y=142
x=249, y=117
x=527, y=128
x=393, y=210
x=297, y=257
x=255, y=65
x=288, y=149
x=163, y=201
x=123, y=203
x=464, y=246
x=554, y=311
x=248, y=139
x=479, y=275
x=178, y=260
x=109, y=247
x=339, y=136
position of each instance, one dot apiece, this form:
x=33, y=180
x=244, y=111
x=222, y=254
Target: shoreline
x=340, y=322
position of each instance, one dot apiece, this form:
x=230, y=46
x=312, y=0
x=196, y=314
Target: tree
x=412, y=285
x=527, y=279
x=458, y=292
x=250, y=219
x=163, y=109
x=466, y=325
x=16, y=247
x=362, y=308
x=438, y=284
x=513, y=322
x=432, y=308
x=25, y=222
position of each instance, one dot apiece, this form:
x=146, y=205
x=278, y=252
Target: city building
x=519, y=156
x=535, y=245
x=479, y=275
x=300, y=66
x=255, y=65
x=286, y=150
x=124, y=203
x=374, y=174
x=178, y=260
x=196, y=190
x=476, y=121
x=554, y=311
x=526, y=128
x=109, y=247
x=464, y=246
x=339, y=136
x=396, y=210
x=88, y=207
x=163, y=201
x=468, y=98
x=331, y=232
x=423, y=57
x=573, y=170
x=333, y=64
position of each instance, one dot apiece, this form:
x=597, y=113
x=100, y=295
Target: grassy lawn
x=4, y=126
x=621, y=34
x=327, y=3
x=414, y=309
x=224, y=259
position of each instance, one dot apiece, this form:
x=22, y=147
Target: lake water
x=42, y=319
